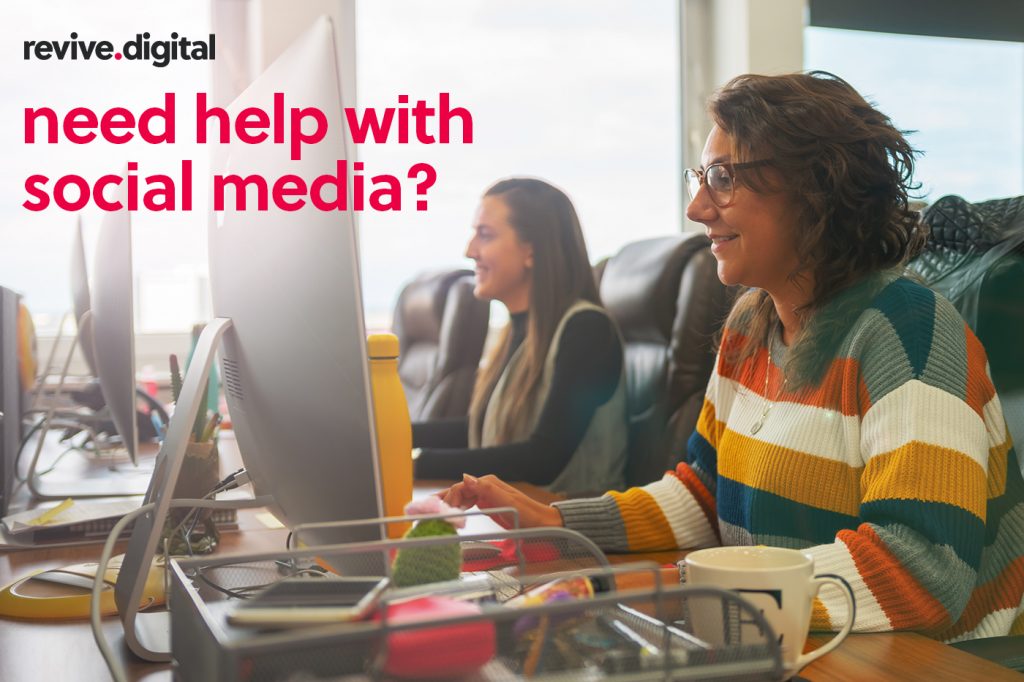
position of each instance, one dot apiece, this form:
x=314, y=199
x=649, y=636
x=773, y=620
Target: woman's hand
x=488, y=492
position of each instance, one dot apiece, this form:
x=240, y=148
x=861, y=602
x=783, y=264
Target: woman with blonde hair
x=549, y=406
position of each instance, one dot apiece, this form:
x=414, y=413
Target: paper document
x=79, y=512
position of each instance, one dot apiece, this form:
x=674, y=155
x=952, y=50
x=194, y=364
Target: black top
x=586, y=374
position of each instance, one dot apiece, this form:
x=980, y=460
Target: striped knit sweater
x=895, y=471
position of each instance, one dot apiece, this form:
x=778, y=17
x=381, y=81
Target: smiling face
x=503, y=261
x=753, y=238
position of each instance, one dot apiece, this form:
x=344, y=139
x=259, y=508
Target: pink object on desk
x=434, y=505
x=428, y=652
x=533, y=552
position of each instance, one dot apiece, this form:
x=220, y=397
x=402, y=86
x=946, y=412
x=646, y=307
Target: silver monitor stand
x=127, y=481
x=148, y=634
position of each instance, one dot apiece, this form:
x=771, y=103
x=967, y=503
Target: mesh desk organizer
x=629, y=633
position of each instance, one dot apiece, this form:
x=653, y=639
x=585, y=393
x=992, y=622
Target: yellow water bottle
x=394, y=430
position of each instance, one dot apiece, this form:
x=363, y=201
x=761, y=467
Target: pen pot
x=200, y=472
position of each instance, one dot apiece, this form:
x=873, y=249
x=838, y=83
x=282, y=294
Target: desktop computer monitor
x=294, y=362
x=288, y=306
x=10, y=395
x=80, y=297
x=113, y=328
x=106, y=335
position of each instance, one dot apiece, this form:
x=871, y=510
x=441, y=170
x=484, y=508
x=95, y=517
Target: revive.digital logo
x=140, y=48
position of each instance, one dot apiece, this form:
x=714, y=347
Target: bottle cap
x=382, y=346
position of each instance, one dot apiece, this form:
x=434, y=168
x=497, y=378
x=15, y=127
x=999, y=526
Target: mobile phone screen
x=313, y=593
x=306, y=601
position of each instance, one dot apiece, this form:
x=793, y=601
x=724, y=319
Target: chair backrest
x=975, y=258
x=666, y=298
x=441, y=328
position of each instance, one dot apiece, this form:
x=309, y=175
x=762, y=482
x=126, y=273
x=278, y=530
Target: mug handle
x=851, y=606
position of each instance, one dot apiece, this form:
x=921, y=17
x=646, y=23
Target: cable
x=183, y=521
x=116, y=669
x=233, y=480
x=155, y=406
x=223, y=590
x=17, y=457
x=238, y=593
x=59, y=457
x=245, y=592
x=28, y=436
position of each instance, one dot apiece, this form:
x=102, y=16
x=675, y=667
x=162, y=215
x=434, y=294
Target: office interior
x=604, y=99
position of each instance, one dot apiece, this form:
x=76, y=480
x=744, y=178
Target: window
x=584, y=95
x=169, y=247
x=964, y=97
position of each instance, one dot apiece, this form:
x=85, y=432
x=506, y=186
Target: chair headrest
x=964, y=227
x=640, y=285
x=420, y=307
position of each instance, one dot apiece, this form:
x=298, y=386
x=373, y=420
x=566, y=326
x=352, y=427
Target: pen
x=672, y=630
x=648, y=655
x=210, y=426
x=533, y=657
x=48, y=515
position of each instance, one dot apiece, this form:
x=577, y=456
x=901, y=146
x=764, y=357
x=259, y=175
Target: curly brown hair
x=849, y=172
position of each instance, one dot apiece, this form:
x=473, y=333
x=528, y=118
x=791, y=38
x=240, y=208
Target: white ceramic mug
x=780, y=583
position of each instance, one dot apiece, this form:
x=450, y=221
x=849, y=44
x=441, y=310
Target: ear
x=528, y=255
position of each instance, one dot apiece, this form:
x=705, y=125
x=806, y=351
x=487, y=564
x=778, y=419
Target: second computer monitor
x=113, y=327
x=294, y=362
x=10, y=395
x=80, y=297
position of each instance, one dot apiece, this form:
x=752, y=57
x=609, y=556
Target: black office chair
x=441, y=328
x=666, y=298
x=975, y=258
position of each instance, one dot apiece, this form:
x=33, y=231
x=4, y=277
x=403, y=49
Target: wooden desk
x=66, y=651
x=900, y=656
x=885, y=656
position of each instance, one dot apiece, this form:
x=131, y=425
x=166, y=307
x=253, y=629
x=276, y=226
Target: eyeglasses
x=720, y=179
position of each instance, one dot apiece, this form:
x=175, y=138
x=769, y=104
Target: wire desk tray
x=476, y=626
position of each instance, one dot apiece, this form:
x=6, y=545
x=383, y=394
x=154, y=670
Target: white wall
x=726, y=38
x=255, y=33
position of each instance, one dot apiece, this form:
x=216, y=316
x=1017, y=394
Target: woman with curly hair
x=850, y=414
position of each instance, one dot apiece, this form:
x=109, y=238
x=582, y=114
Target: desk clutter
x=75, y=522
x=537, y=603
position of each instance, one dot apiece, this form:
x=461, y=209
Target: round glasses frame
x=720, y=197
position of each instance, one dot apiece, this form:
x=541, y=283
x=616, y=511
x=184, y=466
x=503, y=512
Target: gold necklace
x=768, y=403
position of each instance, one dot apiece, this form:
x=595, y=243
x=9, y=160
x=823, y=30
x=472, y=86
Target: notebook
x=82, y=522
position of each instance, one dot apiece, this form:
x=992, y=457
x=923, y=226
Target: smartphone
x=297, y=602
